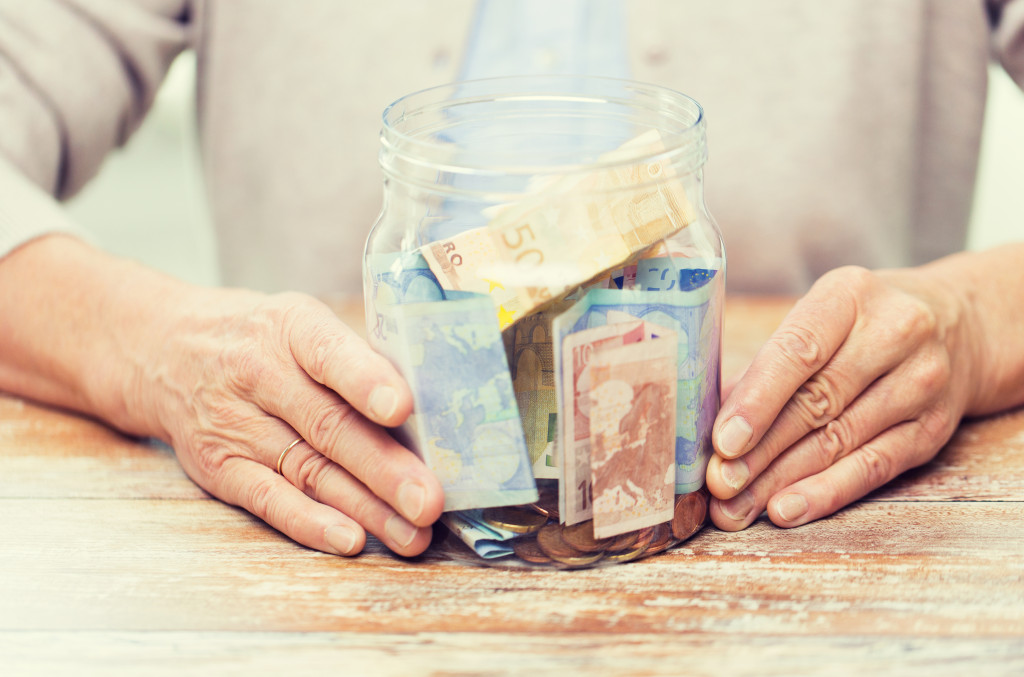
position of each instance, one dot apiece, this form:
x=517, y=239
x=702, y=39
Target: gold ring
x=280, y=459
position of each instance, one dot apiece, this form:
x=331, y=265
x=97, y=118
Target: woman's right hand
x=242, y=375
x=229, y=378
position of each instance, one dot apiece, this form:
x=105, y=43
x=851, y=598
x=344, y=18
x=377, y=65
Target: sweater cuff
x=28, y=212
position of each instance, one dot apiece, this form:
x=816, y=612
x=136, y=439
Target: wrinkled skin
x=252, y=373
x=867, y=376
x=229, y=378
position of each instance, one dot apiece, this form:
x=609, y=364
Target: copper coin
x=527, y=550
x=661, y=540
x=581, y=560
x=549, y=538
x=554, y=546
x=517, y=519
x=637, y=551
x=581, y=537
x=690, y=513
x=638, y=548
x=624, y=541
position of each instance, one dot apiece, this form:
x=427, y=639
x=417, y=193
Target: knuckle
x=937, y=425
x=326, y=348
x=875, y=467
x=932, y=372
x=798, y=344
x=856, y=281
x=312, y=473
x=818, y=401
x=834, y=441
x=261, y=501
x=209, y=456
x=323, y=344
x=329, y=425
x=910, y=322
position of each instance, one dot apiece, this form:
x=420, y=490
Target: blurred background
x=148, y=201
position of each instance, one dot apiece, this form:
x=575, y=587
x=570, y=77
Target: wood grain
x=876, y=568
x=115, y=563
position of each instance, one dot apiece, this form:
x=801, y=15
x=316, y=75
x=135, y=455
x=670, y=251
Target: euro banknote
x=570, y=230
x=465, y=423
x=576, y=493
x=691, y=315
x=632, y=393
x=486, y=540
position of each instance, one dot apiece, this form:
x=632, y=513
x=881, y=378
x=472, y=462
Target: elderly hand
x=243, y=375
x=867, y=376
x=229, y=378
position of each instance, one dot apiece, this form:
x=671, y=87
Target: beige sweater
x=839, y=132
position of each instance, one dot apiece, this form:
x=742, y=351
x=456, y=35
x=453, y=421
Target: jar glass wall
x=545, y=274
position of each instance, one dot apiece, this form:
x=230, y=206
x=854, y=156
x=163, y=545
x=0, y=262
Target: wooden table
x=113, y=562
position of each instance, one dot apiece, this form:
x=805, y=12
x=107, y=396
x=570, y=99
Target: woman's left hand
x=868, y=376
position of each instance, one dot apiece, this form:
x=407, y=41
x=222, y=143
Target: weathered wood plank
x=148, y=654
x=917, y=569
x=48, y=453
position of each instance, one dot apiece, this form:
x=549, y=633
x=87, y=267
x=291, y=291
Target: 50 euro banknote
x=569, y=230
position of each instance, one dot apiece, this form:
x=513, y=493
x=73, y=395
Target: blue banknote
x=486, y=540
x=465, y=422
x=692, y=315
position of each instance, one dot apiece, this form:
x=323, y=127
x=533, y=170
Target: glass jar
x=545, y=274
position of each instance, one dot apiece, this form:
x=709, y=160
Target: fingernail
x=400, y=531
x=411, y=498
x=739, y=506
x=735, y=473
x=791, y=507
x=341, y=539
x=383, y=402
x=734, y=436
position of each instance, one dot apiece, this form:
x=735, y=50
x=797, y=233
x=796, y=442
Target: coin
x=549, y=538
x=581, y=537
x=554, y=546
x=623, y=541
x=517, y=519
x=581, y=560
x=637, y=549
x=690, y=513
x=527, y=550
x=629, y=555
x=662, y=539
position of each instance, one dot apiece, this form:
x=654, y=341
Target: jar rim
x=402, y=142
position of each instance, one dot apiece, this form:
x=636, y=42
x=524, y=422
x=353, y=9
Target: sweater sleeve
x=1007, y=19
x=76, y=78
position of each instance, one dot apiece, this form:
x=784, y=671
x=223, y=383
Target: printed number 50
x=520, y=237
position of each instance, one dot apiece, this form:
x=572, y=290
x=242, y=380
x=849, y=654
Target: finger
x=826, y=394
x=805, y=342
x=912, y=387
x=326, y=482
x=337, y=430
x=886, y=404
x=854, y=475
x=815, y=405
x=273, y=499
x=335, y=356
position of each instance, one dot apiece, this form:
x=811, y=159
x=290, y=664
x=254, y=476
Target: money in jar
x=546, y=276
